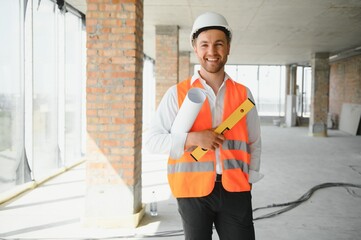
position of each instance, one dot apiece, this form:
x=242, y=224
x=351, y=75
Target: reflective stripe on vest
x=234, y=144
x=233, y=164
x=191, y=167
x=188, y=178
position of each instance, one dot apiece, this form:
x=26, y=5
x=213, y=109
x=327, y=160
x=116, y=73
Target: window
x=74, y=88
x=45, y=95
x=148, y=92
x=41, y=90
x=266, y=84
x=11, y=96
x=304, y=79
x=271, y=91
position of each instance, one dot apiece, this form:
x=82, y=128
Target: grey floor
x=292, y=162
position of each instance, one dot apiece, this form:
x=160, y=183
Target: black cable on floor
x=176, y=233
x=290, y=205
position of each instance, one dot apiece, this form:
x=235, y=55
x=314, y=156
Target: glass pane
x=247, y=75
x=282, y=89
x=307, y=91
x=299, y=81
x=45, y=108
x=148, y=92
x=11, y=97
x=270, y=91
x=73, y=88
x=28, y=84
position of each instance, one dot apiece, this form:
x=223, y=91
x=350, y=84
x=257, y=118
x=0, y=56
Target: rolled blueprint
x=189, y=110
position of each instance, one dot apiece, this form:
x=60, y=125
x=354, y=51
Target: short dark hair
x=223, y=29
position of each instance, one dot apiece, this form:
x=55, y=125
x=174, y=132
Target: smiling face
x=212, y=49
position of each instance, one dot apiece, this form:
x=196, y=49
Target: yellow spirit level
x=226, y=125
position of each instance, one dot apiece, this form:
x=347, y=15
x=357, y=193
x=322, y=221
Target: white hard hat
x=209, y=20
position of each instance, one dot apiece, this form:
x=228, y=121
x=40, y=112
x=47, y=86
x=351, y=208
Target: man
x=216, y=189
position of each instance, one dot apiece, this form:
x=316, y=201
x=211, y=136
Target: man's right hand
x=206, y=139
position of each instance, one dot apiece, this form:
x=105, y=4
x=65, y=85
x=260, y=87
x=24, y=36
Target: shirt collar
x=196, y=76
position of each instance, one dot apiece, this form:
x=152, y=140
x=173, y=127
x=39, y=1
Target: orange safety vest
x=190, y=178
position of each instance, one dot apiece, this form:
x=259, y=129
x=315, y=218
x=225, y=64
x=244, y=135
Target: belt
x=219, y=178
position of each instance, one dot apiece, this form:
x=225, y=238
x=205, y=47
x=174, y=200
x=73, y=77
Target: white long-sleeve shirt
x=160, y=139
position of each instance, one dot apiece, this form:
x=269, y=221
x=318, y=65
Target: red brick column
x=114, y=112
x=320, y=89
x=166, y=62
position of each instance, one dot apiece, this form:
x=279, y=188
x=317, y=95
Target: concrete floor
x=292, y=162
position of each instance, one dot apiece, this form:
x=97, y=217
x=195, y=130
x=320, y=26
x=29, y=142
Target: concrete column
x=184, y=65
x=319, y=94
x=114, y=113
x=167, y=57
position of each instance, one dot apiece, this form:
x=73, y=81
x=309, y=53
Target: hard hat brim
x=221, y=28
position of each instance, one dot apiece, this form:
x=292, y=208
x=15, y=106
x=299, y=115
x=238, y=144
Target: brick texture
x=114, y=98
x=167, y=57
x=184, y=69
x=319, y=94
x=345, y=83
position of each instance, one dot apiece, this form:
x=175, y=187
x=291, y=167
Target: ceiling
x=264, y=31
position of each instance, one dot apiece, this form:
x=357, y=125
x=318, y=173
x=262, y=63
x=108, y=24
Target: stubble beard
x=212, y=68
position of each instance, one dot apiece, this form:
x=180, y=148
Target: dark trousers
x=230, y=212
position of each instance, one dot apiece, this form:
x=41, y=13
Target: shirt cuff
x=177, y=148
x=254, y=176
